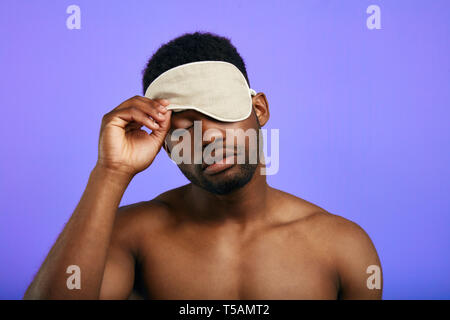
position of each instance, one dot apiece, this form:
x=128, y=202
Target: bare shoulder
x=326, y=228
x=340, y=230
x=353, y=256
x=137, y=219
x=346, y=246
x=344, y=237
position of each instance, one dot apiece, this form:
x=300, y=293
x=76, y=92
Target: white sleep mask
x=215, y=88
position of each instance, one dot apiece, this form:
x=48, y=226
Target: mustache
x=219, y=144
x=217, y=151
x=218, y=155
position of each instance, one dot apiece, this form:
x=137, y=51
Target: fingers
x=144, y=111
x=164, y=127
x=122, y=117
x=152, y=107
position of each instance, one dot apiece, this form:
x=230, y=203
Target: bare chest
x=209, y=267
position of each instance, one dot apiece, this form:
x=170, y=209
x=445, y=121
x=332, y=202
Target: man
x=226, y=235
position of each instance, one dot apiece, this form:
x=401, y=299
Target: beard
x=223, y=183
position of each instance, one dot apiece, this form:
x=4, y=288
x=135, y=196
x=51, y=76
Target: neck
x=248, y=203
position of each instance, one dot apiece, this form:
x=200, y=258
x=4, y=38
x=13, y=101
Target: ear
x=261, y=107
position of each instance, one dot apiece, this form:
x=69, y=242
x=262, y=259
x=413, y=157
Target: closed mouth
x=222, y=161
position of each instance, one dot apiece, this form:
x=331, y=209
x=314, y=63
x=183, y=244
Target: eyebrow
x=176, y=114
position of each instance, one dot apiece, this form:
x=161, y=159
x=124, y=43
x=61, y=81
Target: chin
x=228, y=180
x=223, y=182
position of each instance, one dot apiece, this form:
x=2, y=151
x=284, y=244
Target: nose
x=212, y=131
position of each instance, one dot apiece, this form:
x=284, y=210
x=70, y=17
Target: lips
x=219, y=166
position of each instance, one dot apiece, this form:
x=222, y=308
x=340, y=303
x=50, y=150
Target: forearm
x=84, y=241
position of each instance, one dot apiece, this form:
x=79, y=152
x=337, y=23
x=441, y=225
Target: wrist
x=120, y=174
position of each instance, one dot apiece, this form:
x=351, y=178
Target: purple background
x=363, y=116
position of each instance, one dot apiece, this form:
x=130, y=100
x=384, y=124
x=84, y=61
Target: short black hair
x=192, y=47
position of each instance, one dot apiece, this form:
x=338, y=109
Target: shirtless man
x=225, y=235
